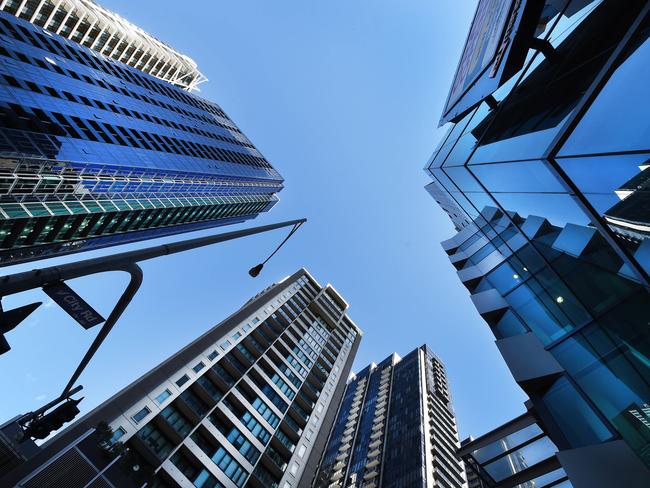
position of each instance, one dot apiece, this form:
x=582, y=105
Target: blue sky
x=343, y=98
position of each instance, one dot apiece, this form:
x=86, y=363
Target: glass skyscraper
x=248, y=404
x=551, y=170
x=395, y=428
x=101, y=142
x=91, y=25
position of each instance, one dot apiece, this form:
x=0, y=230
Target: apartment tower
x=248, y=404
x=395, y=428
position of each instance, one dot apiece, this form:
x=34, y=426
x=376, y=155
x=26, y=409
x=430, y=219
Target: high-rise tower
x=89, y=24
x=395, y=428
x=547, y=153
x=100, y=147
x=249, y=403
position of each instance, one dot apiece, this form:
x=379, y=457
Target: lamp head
x=255, y=270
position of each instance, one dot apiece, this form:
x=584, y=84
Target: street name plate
x=73, y=304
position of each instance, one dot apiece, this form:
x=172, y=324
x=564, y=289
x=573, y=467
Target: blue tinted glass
x=521, y=459
x=518, y=176
x=626, y=92
x=578, y=422
x=547, y=323
x=163, y=396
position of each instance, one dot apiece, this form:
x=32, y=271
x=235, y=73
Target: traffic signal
x=10, y=319
x=41, y=427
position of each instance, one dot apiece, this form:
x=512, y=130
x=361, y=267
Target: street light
x=55, y=276
x=255, y=270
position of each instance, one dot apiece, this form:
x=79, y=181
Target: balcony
x=375, y=444
x=222, y=377
x=344, y=447
x=301, y=413
x=371, y=464
x=264, y=478
x=306, y=402
x=244, y=355
x=207, y=389
x=276, y=459
x=310, y=390
x=284, y=441
x=295, y=430
x=342, y=456
x=374, y=453
x=337, y=475
x=372, y=474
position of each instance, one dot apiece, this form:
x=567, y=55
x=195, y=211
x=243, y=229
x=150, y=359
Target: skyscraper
x=89, y=24
x=101, y=145
x=249, y=403
x=395, y=428
x=555, y=258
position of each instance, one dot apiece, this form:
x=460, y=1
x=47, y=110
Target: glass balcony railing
x=223, y=374
x=299, y=410
x=284, y=440
x=265, y=477
x=276, y=458
x=293, y=424
x=306, y=399
x=247, y=354
x=210, y=388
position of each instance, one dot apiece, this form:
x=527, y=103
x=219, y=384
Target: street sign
x=73, y=304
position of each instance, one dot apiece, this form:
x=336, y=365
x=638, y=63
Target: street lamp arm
x=28, y=280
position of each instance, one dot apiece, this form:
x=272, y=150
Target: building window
x=256, y=321
x=198, y=367
x=247, y=327
x=139, y=416
x=236, y=336
x=163, y=396
x=182, y=380
x=301, y=451
x=309, y=434
x=117, y=435
x=225, y=344
x=294, y=468
x=213, y=355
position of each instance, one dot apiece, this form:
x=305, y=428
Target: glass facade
x=91, y=25
x=94, y=152
x=395, y=428
x=554, y=177
x=518, y=454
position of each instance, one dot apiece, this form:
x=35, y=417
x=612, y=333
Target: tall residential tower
x=101, y=143
x=547, y=154
x=395, y=428
x=248, y=404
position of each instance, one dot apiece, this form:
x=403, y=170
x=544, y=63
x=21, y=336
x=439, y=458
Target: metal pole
x=37, y=278
x=132, y=288
x=126, y=261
